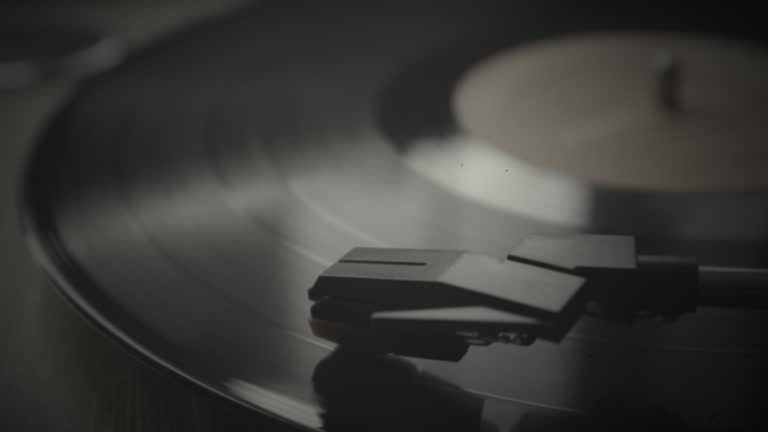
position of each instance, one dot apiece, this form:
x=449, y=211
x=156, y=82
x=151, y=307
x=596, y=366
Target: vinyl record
x=186, y=200
x=31, y=53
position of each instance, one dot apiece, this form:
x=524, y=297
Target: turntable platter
x=186, y=200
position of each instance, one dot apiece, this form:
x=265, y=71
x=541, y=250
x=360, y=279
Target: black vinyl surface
x=187, y=200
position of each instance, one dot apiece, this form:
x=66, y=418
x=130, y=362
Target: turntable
x=188, y=199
